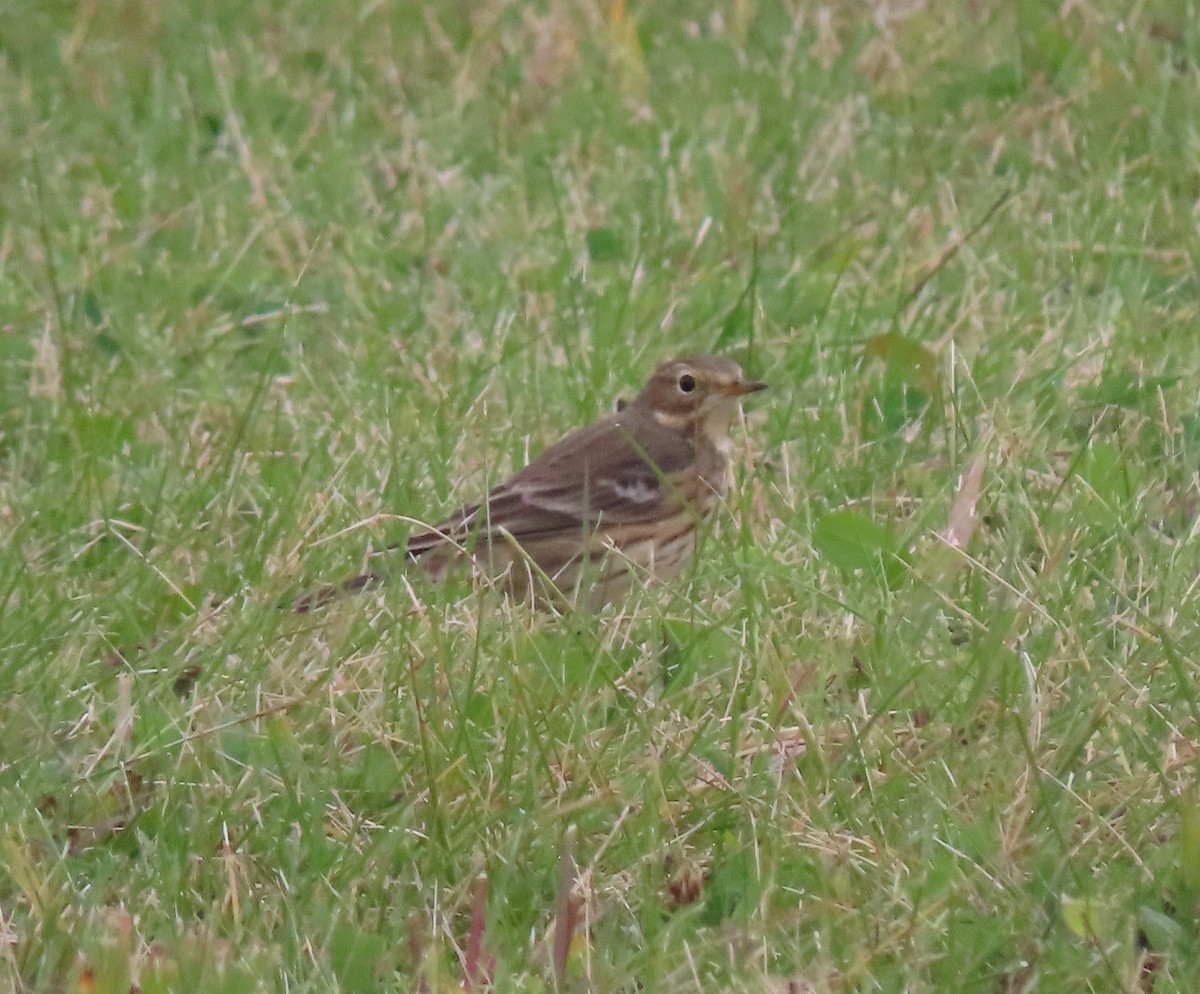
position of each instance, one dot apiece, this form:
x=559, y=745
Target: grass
x=924, y=716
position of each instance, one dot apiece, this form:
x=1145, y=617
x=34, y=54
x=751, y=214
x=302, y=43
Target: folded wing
x=595, y=478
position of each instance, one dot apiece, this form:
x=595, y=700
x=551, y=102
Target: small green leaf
x=91, y=308
x=1047, y=49
x=1191, y=427
x=478, y=709
x=897, y=405
x=942, y=874
x=733, y=885
x=838, y=256
x=996, y=83
x=375, y=773
x=688, y=647
x=1002, y=82
x=853, y=542
x=850, y=540
x=1127, y=388
x=603, y=245
x=106, y=433
x=240, y=745
x=283, y=743
x=907, y=359
x=106, y=344
x=1082, y=916
x=356, y=957
x=1162, y=931
x=1103, y=469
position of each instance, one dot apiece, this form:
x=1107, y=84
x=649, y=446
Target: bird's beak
x=743, y=387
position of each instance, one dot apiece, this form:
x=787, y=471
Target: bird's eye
x=687, y=383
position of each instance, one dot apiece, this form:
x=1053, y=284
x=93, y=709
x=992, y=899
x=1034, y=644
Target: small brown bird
x=609, y=506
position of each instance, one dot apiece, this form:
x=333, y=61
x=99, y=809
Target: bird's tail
x=432, y=548
x=331, y=591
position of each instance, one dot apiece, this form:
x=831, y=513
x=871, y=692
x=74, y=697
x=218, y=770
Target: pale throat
x=713, y=423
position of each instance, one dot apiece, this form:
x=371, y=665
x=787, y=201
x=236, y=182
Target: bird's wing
x=595, y=476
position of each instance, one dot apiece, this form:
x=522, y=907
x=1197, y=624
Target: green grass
x=274, y=274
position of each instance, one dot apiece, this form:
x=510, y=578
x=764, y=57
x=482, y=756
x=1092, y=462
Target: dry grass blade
x=964, y=511
x=954, y=245
x=566, y=907
x=476, y=972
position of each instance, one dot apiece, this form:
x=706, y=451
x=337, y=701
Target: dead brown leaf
x=964, y=511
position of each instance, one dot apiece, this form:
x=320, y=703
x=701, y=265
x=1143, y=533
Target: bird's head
x=697, y=392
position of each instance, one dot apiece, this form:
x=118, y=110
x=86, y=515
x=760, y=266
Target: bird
x=611, y=506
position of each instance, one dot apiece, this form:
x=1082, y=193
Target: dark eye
x=687, y=383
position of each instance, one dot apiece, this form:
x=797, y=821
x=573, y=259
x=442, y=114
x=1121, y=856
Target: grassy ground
x=923, y=719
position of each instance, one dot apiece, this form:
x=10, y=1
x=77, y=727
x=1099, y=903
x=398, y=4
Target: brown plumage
x=609, y=506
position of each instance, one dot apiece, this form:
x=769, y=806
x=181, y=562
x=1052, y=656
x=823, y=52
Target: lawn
x=276, y=278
